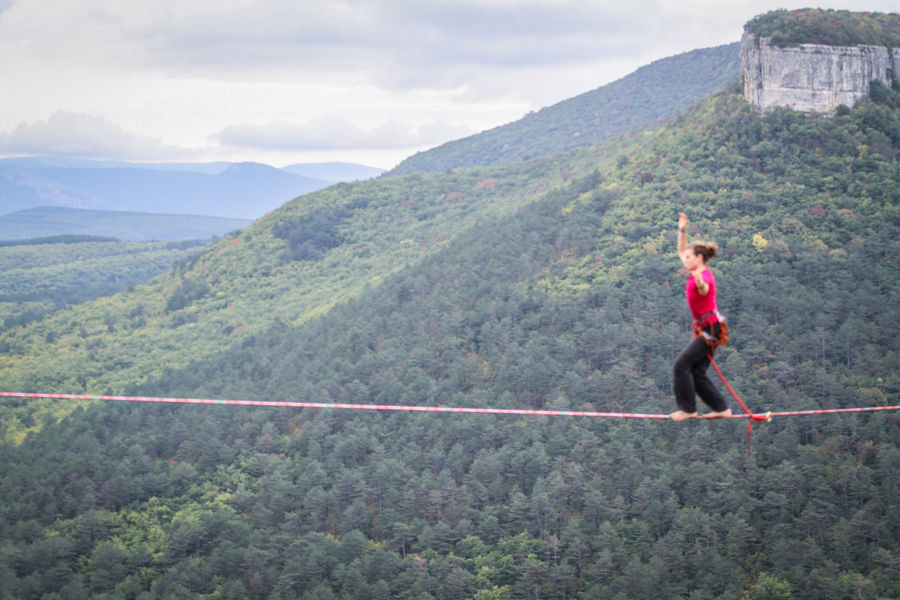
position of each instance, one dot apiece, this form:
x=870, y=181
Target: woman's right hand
x=682, y=220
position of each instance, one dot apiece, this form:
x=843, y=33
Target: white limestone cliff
x=812, y=77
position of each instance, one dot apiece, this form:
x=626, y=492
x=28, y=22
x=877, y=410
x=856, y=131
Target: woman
x=709, y=331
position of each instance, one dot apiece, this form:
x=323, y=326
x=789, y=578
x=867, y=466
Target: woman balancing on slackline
x=710, y=331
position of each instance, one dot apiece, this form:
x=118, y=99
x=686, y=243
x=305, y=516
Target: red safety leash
x=750, y=414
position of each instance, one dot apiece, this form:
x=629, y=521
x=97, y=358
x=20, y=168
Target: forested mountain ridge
x=47, y=221
x=546, y=284
x=291, y=265
x=647, y=96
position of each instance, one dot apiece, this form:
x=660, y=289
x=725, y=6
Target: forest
x=551, y=283
x=830, y=27
x=42, y=275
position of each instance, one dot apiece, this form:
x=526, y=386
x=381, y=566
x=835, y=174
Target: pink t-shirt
x=698, y=303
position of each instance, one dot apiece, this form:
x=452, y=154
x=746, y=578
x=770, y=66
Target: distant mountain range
x=237, y=191
x=225, y=194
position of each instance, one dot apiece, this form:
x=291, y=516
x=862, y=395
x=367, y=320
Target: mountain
x=334, y=171
x=650, y=94
x=242, y=191
x=551, y=283
x=227, y=190
x=21, y=189
x=130, y=226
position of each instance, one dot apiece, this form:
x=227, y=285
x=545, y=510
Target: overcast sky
x=287, y=81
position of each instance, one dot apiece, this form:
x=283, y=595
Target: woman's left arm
x=702, y=285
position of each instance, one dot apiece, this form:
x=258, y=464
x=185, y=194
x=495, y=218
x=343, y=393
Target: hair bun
x=708, y=250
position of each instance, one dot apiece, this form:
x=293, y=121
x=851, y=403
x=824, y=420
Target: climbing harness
x=703, y=326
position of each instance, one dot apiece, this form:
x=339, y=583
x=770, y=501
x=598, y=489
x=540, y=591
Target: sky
x=304, y=81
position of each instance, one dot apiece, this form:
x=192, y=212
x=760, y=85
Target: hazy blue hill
x=21, y=188
x=243, y=190
x=131, y=226
x=334, y=171
x=231, y=190
x=653, y=92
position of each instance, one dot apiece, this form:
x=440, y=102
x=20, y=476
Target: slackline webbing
x=344, y=406
x=445, y=409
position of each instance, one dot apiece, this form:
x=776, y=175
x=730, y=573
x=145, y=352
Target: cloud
x=87, y=136
x=183, y=68
x=334, y=133
x=395, y=44
x=334, y=32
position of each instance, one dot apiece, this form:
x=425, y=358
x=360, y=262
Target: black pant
x=691, y=379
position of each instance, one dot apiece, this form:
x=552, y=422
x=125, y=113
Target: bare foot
x=717, y=415
x=680, y=415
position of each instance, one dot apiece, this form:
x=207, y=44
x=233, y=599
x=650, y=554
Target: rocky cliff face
x=812, y=77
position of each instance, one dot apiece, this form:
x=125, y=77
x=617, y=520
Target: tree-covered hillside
x=43, y=275
x=650, y=94
x=50, y=221
x=550, y=284
x=355, y=235
x=830, y=27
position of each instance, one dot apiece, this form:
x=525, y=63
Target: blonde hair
x=708, y=250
